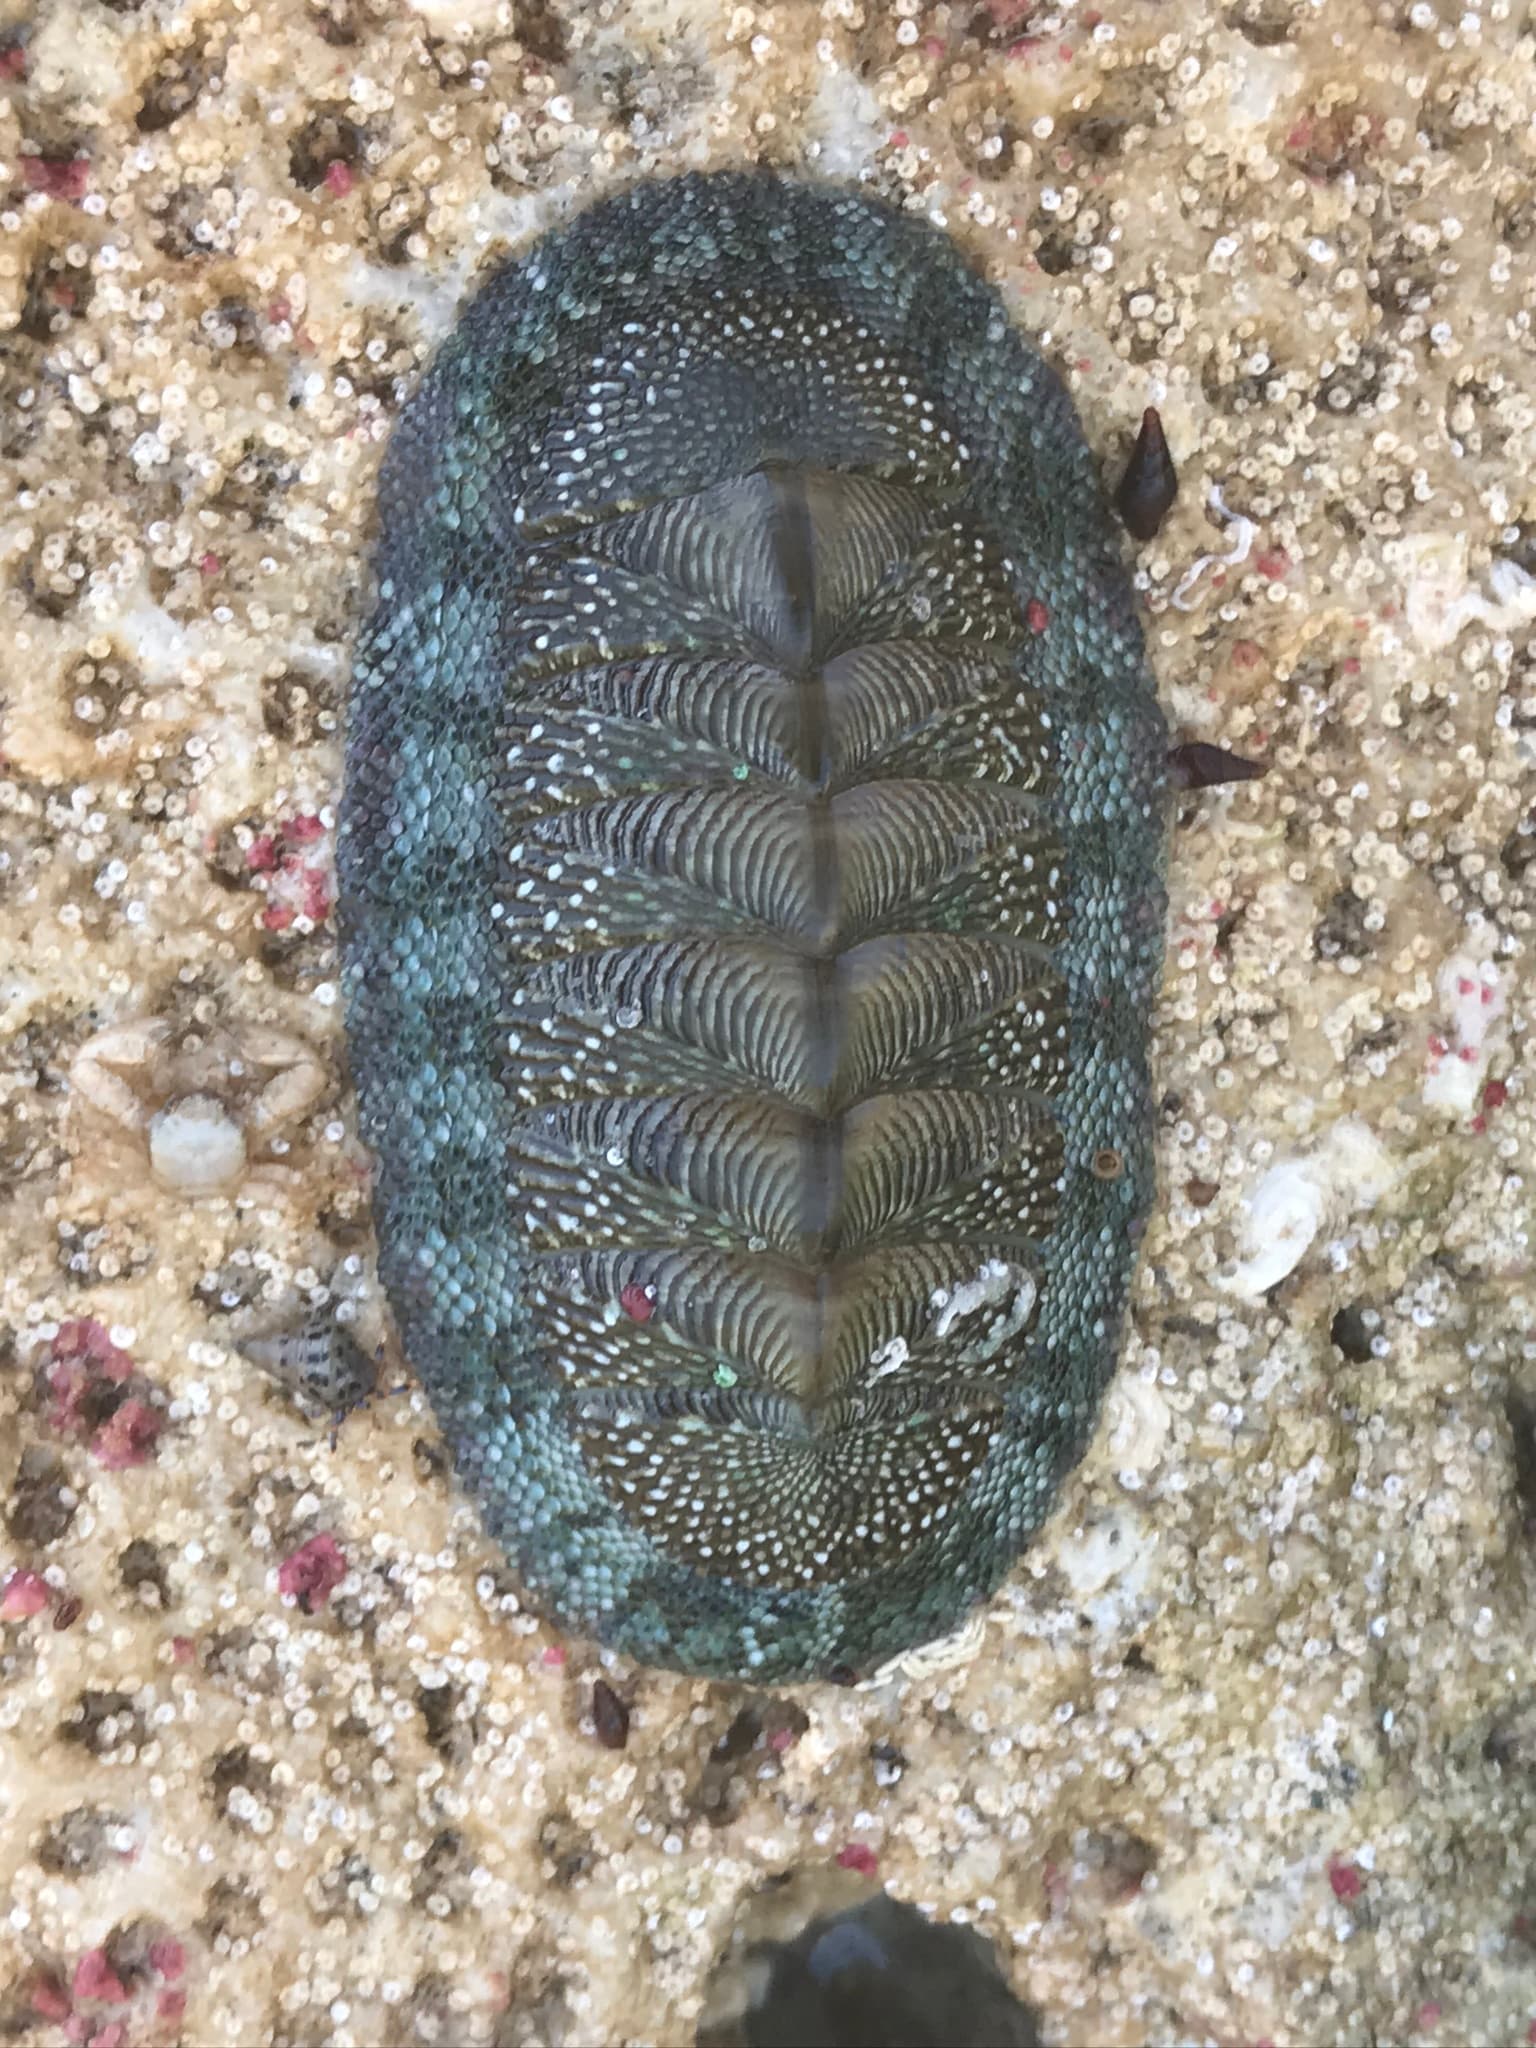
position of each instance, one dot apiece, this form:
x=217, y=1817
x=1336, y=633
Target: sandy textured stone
x=1243, y=1753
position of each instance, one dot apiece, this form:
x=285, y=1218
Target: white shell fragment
x=1346, y=1171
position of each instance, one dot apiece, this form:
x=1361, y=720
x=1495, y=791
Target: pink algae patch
x=1345, y=1879
x=87, y=1378
x=25, y=1594
x=86, y=1339
x=48, y=1998
x=311, y=1574
x=167, y=1957
x=59, y=177
x=294, y=863
x=128, y=1436
x=96, y=1980
x=858, y=1856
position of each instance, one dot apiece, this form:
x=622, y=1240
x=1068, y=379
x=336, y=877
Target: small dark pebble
x=610, y=1716
x=1196, y=764
x=79, y=1843
x=141, y=1566
x=68, y=1611
x=439, y=1706
x=1150, y=484
x=1202, y=1192
x=842, y=1674
x=430, y=1458
x=1350, y=1333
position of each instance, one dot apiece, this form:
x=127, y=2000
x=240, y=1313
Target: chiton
x=751, y=863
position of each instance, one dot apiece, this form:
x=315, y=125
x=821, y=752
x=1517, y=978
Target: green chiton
x=752, y=904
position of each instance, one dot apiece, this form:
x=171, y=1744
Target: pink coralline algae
x=87, y=1377
x=858, y=1856
x=1345, y=1879
x=127, y=1437
x=48, y=1998
x=84, y=1339
x=87, y=2001
x=167, y=1958
x=311, y=1574
x=294, y=863
x=25, y=1594
x=96, y=1981
x=59, y=177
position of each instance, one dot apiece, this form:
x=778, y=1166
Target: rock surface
x=1241, y=1755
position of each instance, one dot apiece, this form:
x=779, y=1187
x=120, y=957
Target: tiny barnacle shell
x=195, y=1146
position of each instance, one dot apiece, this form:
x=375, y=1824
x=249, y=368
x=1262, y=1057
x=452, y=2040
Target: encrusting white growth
x=1243, y=531
x=1347, y=1170
x=1439, y=598
x=1473, y=1001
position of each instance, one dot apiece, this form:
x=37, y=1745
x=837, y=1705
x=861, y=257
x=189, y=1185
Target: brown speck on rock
x=442, y=1884
x=42, y=1503
x=171, y=91
x=239, y=1781
x=568, y=1850
x=103, y=1720
x=82, y=1841
x=1520, y=1415
x=325, y=140
x=141, y=1569
x=429, y=1455
x=541, y=31
x=1342, y=933
x=449, y=1731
